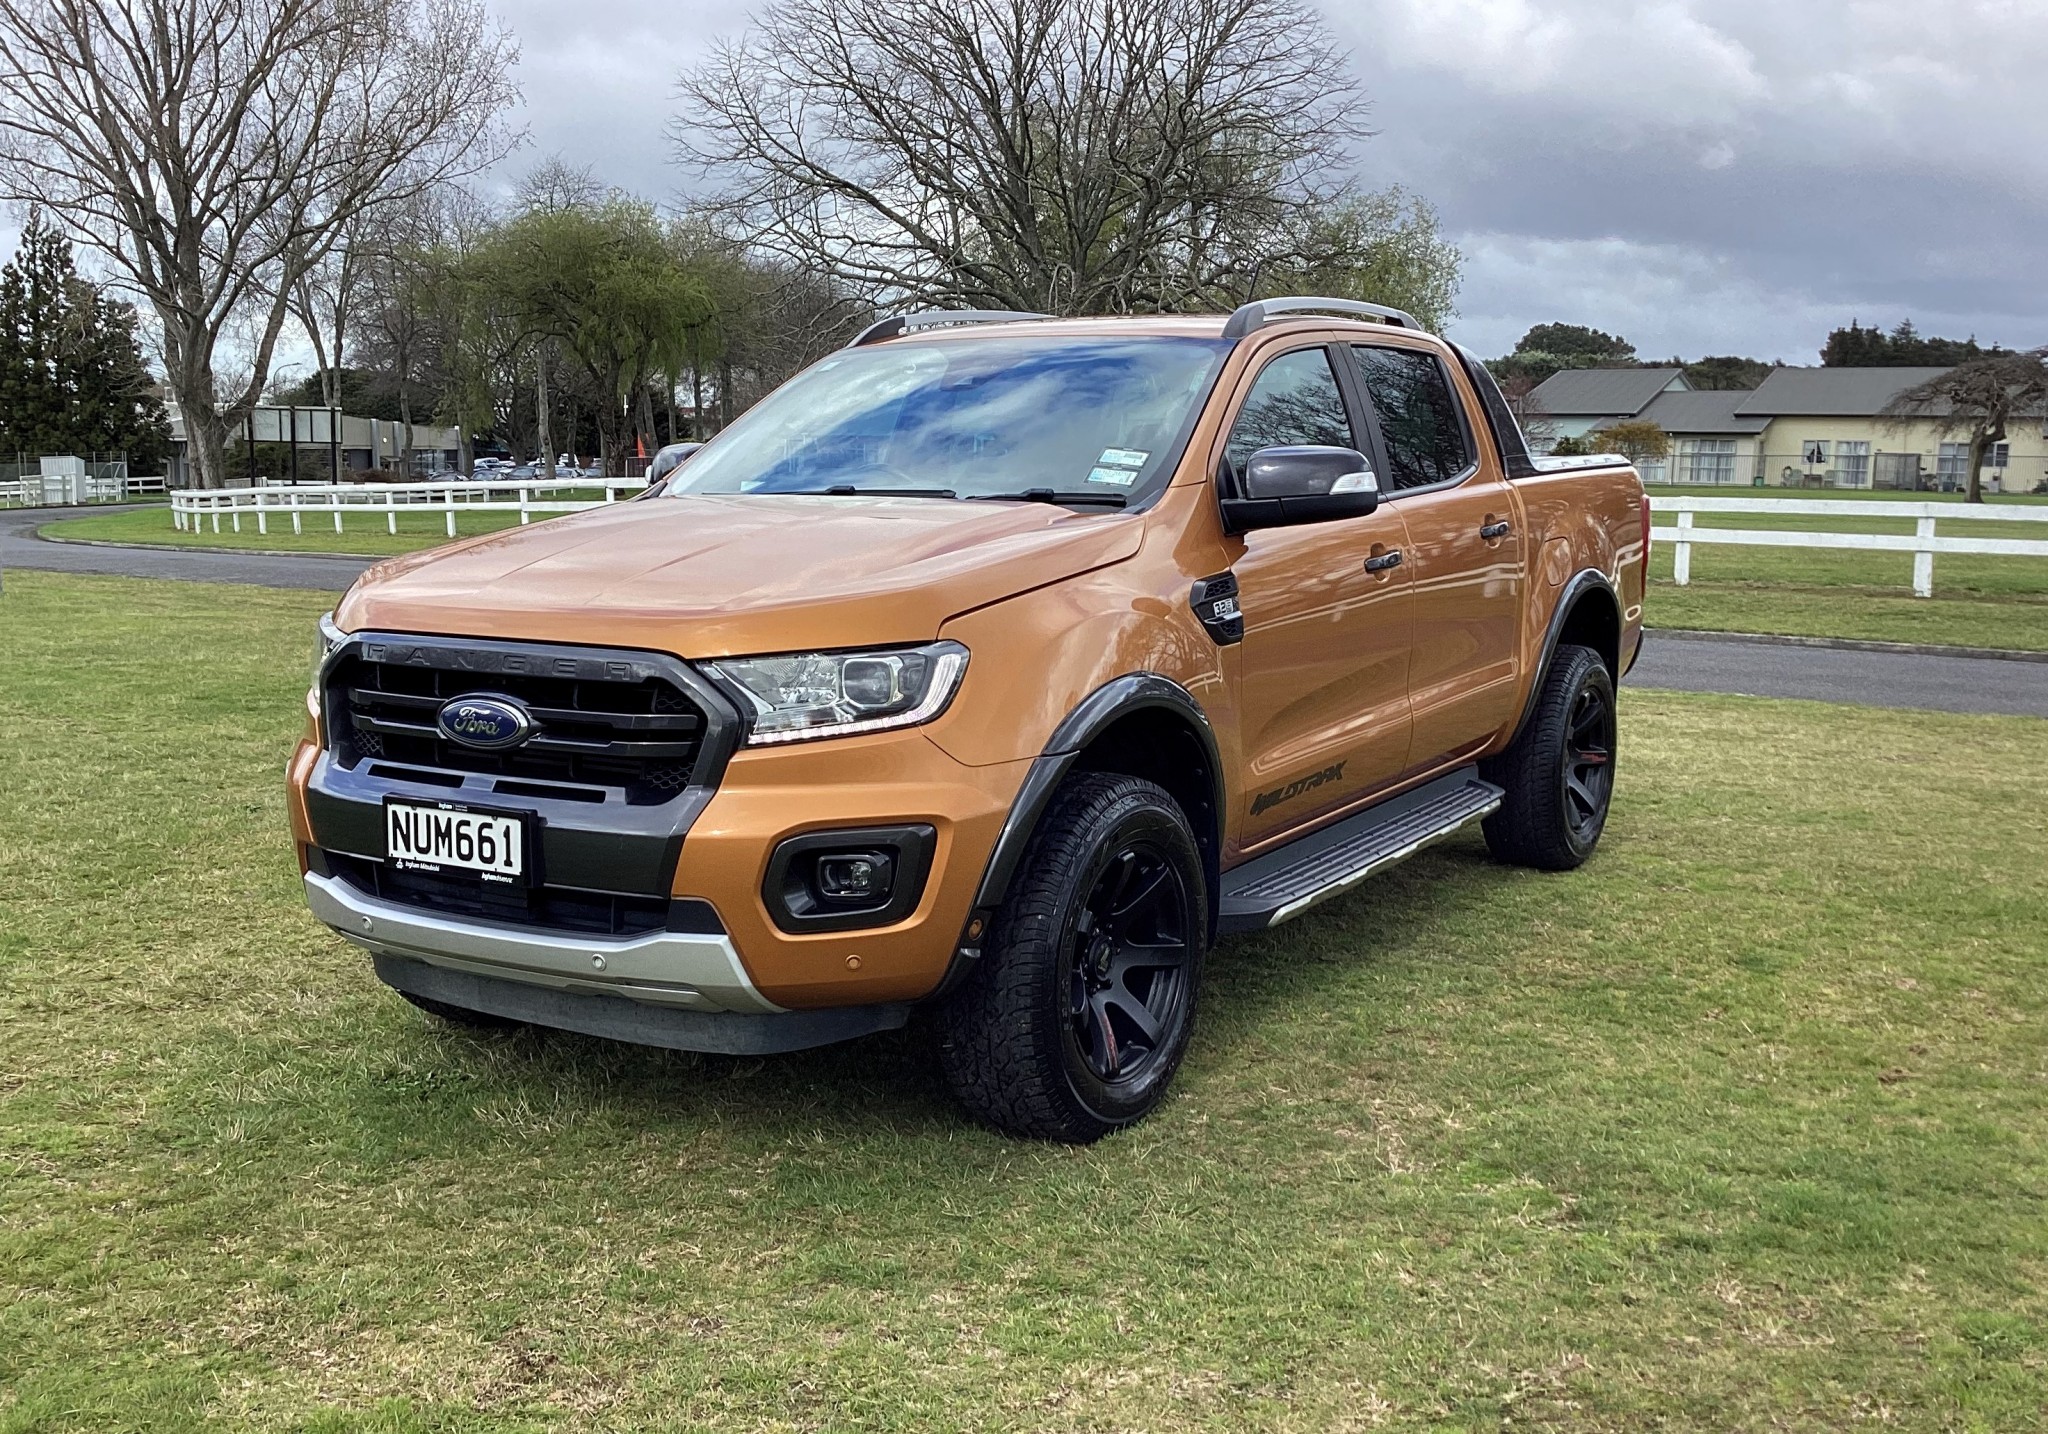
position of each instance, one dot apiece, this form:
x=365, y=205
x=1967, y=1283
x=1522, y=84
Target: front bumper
x=687, y=970
x=709, y=847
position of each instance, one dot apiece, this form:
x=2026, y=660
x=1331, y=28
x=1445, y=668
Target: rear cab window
x=1421, y=420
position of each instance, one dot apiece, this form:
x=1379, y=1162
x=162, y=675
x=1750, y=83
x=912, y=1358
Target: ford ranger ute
x=996, y=665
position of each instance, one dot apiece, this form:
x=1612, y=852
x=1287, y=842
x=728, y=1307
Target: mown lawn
x=1977, y=602
x=367, y=532
x=1882, y=615
x=1743, y=1126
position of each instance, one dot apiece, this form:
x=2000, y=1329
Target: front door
x=1465, y=552
x=1323, y=669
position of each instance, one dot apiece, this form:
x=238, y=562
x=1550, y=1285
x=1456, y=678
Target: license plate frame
x=527, y=824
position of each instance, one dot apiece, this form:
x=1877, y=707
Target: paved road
x=1758, y=669
x=20, y=548
x=1872, y=679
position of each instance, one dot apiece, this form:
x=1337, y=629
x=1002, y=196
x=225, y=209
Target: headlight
x=835, y=694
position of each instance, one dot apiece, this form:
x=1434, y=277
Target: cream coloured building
x=1803, y=427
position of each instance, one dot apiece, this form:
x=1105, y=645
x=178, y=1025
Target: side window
x=1418, y=413
x=1294, y=400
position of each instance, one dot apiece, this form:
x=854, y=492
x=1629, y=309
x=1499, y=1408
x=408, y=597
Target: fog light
x=862, y=876
x=847, y=880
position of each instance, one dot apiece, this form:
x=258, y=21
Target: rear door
x=1464, y=550
x=1323, y=668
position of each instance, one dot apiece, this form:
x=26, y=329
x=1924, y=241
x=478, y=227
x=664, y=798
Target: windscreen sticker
x=1115, y=477
x=1123, y=457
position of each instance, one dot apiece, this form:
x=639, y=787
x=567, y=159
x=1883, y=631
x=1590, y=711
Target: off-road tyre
x=1025, y=1044
x=1559, y=773
x=463, y=1015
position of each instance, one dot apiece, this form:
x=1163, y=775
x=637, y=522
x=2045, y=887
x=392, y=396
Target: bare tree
x=1978, y=398
x=1072, y=155
x=216, y=150
x=323, y=302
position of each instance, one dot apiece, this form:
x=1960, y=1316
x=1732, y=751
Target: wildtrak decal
x=1294, y=789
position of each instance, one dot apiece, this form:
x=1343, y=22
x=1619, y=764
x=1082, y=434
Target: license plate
x=421, y=837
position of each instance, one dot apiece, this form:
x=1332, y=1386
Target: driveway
x=20, y=548
x=1827, y=674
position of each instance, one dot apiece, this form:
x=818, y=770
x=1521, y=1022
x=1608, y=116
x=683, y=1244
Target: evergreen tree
x=72, y=376
x=1903, y=347
x=1549, y=348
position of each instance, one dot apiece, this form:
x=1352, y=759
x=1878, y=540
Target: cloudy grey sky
x=1737, y=176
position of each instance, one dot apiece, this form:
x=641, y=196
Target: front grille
x=635, y=736
x=555, y=908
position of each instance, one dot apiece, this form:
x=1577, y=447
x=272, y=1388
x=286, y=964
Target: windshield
x=973, y=418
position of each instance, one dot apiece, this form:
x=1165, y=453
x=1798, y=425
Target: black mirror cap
x=1307, y=471
x=1306, y=483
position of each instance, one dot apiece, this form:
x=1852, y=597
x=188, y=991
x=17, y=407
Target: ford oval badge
x=487, y=722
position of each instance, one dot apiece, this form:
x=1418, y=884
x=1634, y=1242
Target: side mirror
x=1302, y=484
x=663, y=467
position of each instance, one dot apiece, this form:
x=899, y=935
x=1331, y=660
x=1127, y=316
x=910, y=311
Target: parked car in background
x=994, y=664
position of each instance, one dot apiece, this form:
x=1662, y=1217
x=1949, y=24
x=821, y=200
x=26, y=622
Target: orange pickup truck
x=995, y=665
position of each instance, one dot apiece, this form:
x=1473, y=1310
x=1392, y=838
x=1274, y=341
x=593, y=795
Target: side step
x=1281, y=884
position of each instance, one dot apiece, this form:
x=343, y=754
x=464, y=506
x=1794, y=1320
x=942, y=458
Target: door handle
x=1384, y=561
x=1490, y=531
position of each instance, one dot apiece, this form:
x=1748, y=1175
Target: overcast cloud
x=1733, y=177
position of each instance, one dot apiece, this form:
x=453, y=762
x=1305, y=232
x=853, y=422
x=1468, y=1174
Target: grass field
x=1741, y=1127
x=1977, y=602
x=365, y=532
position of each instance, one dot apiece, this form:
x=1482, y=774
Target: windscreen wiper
x=849, y=490
x=1054, y=495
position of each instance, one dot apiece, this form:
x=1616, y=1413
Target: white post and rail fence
x=1924, y=542
x=192, y=509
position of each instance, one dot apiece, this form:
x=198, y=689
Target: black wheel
x=1085, y=1001
x=1559, y=774
x=462, y=1015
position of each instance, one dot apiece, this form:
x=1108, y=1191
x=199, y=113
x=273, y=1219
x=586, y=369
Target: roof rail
x=1250, y=316
x=896, y=324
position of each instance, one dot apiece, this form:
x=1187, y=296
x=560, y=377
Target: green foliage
x=1724, y=371
x=1581, y=447
x=72, y=377
x=1638, y=440
x=604, y=283
x=1903, y=347
x=1381, y=248
x=1550, y=348
x=603, y=295
x=1578, y=345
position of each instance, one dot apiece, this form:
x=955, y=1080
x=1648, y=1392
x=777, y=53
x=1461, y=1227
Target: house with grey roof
x=1801, y=428
x=1710, y=441
x=1573, y=402
x=1826, y=429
